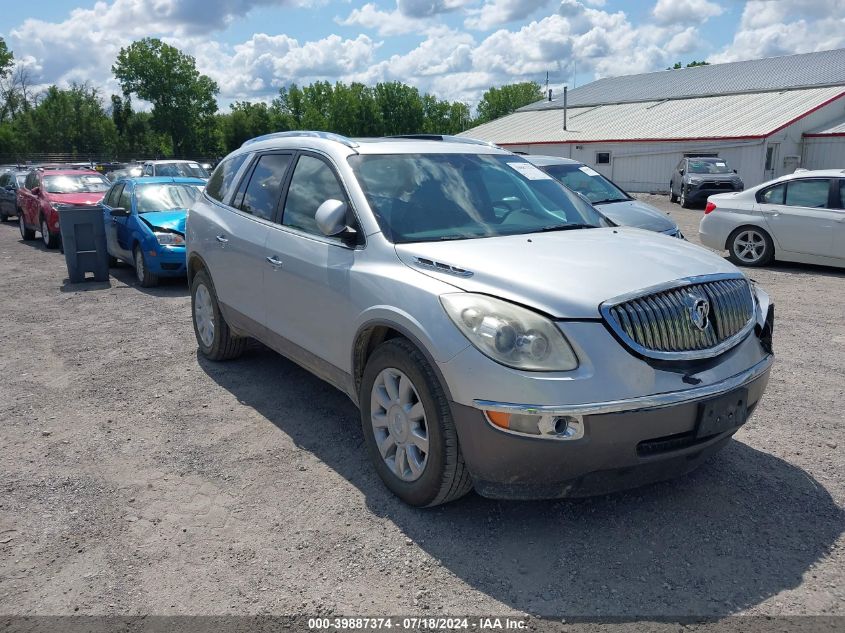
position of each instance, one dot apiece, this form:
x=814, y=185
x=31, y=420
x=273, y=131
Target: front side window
x=32, y=180
x=222, y=180
x=588, y=182
x=261, y=195
x=433, y=197
x=165, y=197
x=5, y=180
x=75, y=183
x=842, y=194
x=313, y=183
x=808, y=193
x=114, y=195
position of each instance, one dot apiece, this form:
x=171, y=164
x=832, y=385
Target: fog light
x=564, y=427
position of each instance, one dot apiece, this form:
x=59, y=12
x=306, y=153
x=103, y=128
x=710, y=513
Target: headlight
x=509, y=334
x=170, y=239
x=695, y=181
x=58, y=206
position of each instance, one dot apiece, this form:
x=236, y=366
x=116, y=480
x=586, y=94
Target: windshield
x=165, y=197
x=708, y=166
x=588, y=182
x=431, y=197
x=185, y=170
x=82, y=183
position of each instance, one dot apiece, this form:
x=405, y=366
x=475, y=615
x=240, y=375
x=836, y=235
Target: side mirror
x=735, y=171
x=36, y=191
x=331, y=217
x=119, y=212
x=681, y=171
x=10, y=187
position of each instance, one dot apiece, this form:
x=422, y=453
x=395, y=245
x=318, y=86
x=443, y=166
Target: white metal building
x=766, y=117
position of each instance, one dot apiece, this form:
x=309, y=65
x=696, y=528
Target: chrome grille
x=667, y=322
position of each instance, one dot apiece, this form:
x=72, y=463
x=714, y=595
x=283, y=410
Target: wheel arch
x=195, y=264
x=375, y=332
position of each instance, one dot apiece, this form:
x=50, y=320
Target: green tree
x=497, y=102
x=68, y=121
x=7, y=59
x=248, y=120
x=692, y=64
x=183, y=100
x=401, y=108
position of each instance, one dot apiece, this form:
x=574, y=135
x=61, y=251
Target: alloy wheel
x=749, y=246
x=139, y=265
x=22, y=225
x=399, y=424
x=204, y=315
x=45, y=232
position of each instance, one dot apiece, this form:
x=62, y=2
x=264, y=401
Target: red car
x=45, y=192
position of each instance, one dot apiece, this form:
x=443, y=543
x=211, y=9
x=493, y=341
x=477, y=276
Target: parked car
x=608, y=197
x=45, y=192
x=795, y=218
x=10, y=182
x=176, y=168
x=696, y=178
x=130, y=171
x=493, y=328
x=145, y=224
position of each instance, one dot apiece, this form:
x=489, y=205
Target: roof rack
x=444, y=137
x=329, y=136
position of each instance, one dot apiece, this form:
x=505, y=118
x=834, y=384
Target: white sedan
x=796, y=218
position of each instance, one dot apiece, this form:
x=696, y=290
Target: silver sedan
x=796, y=218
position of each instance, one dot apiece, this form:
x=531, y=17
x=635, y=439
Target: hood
x=569, y=273
x=77, y=198
x=637, y=214
x=170, y=220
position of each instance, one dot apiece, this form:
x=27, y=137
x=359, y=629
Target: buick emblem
x=699, y=311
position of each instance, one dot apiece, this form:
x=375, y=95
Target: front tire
x=142, y=273
x=750, y=246
x=214, y=338
x=685, y=204
x=26, y=234
x=3, y=217
x=408, y=427
x=50, y=240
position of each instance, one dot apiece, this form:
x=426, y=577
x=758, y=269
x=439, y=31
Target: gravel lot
x=138, y=478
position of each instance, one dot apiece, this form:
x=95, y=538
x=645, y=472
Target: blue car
x=145, y=224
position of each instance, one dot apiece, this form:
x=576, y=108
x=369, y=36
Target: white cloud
x=498, y=12
x=385, y=23
x=783, y=27
x=685, y=11
x=428, y=8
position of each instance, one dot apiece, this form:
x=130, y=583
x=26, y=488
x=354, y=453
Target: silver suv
x=495, y=330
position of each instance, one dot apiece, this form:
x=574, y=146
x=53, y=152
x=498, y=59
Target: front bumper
x=694, y=194
x=168, y=261
x=625, y=443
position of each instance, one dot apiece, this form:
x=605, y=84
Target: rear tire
x=142, y=273
x=214, y=338
x=3, y=217
x=444, y=476
x=750, y=246
x=26, y=234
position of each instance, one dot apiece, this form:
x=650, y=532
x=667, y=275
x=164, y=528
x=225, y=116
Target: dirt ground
x=138, y=478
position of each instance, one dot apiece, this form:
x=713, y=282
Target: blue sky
x=453, y=48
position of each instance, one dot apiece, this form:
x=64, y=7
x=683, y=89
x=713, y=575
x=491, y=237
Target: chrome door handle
x=222, y=239
x=275, y=262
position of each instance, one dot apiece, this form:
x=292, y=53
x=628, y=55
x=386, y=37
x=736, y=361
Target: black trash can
x=84, y=242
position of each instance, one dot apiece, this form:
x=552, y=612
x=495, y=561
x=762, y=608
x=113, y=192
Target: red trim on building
x=693, y=139
x=823, y=135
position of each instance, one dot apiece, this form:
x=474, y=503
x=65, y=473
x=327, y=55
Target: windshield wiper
x=610, y=200
x=564, y=227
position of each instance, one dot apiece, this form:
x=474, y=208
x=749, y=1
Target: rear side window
x=842, y=194
x=261, y=195
x=313, y=183
x=772, y=195
x=808, y=193
x=222, y=180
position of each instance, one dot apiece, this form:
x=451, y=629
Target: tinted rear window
x=222, y=180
